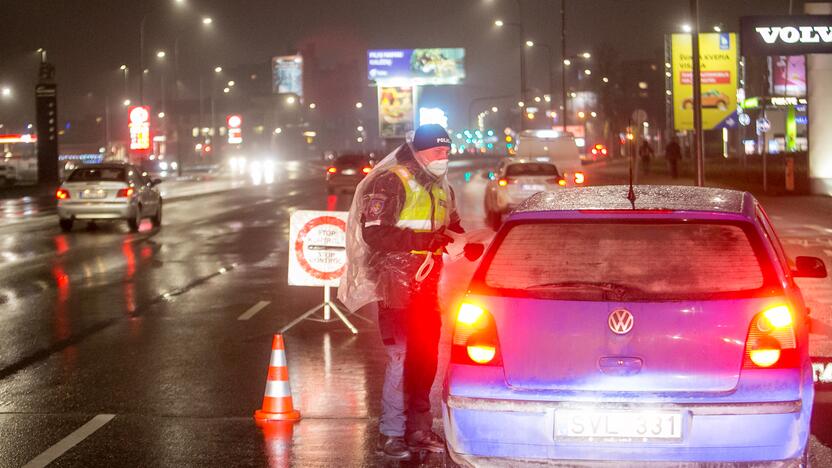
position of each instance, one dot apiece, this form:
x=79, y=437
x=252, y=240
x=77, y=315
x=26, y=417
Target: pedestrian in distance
x=645, y=152
x=404, y=214
x=673, y=153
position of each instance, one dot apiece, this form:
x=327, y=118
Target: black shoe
x=393, y=448
x=425, y=440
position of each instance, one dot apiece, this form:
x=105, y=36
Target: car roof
x=648, y=197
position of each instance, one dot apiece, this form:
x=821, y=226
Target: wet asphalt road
x=146, y=343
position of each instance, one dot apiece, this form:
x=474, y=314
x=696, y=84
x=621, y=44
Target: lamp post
x=519, y=26
x=698, y=141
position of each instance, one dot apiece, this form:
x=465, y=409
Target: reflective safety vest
x=424, y=210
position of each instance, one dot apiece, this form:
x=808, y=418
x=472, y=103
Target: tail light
x=125, y=192
x=366, y=170
x=604, y=151
x=502, y=182
x=594, y=150
x=771, y=340
x=579, y=177
x=475, y=337
x=332, y=170
x=62, y=194
x=556, y=180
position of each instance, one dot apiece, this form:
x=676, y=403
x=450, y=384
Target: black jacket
x=390, y=245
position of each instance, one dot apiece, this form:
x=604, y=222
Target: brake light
x=332, y=170
x=125, y=192
x=475, y=337
x=579, y=177
x=594, y=150
x=562, y=182
x=771, y=340
x=604, y=151
x=62, y=194
x=366, y=170
x=502, y=182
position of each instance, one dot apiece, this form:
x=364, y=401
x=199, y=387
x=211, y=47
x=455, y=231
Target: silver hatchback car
x=109, y=191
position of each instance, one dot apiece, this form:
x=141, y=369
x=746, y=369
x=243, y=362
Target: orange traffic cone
x=277, y=402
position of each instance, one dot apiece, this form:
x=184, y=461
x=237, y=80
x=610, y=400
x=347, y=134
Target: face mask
x=438, y=167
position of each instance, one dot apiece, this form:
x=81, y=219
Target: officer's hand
x=440, y=240
x=473, y=251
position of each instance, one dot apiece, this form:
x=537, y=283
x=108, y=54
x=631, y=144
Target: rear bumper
x=492, y=432
x=96, y=210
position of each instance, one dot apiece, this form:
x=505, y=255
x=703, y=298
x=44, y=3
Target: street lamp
x=686, y=28
x=312, y=105
x=359, y=105
x=6, y=92
x=217, y=69
x=207, y=20
x=289, y=100
x=231, y=83
x=494, y=109
x=500, y=23
x=161, y=54
x=126, y=102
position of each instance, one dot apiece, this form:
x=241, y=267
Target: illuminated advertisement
x=139, y=124
x=416, y=66
x=786, y=35
x=287, y=74
x=235, y=131
x=788, y=75
x=395, y=111
x=718, y=75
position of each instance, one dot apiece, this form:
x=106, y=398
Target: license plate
x=348, y=172
x=533, y=188
x=639, y=425
x=93, y=194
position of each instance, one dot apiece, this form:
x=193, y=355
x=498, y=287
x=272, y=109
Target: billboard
x=139, y=125
x=788, y=75
x=416, y=66
x=786, y=35
x=395, y=111
x=718, y=75
x=287, y=74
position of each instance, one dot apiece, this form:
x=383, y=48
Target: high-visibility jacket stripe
x=415, y=224
x=278, y=389
x=278, y=359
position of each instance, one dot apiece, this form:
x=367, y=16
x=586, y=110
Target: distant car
x=346, y=172
x=515, y=180
x=109, y=191
x=666, y=331
x=710, y=99
x=597, y=152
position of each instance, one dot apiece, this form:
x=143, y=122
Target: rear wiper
x=616, y=288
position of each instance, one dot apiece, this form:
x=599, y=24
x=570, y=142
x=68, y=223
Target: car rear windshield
x=531, y=169
x=92, y=174
x=353, y=160
x=624, y=260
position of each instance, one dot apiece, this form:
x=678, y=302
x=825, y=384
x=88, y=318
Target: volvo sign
x=786, y=35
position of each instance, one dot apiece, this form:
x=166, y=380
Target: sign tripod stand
x=326, y=305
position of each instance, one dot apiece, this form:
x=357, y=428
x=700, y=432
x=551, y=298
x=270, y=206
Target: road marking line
x=253, y=310
x=55, y=451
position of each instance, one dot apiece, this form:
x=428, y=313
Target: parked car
x=711, y=99
x=666, y=330
x=109, y=191
x=346, y=172
x=515, y=180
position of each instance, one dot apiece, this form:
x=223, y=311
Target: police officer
x=407, y=209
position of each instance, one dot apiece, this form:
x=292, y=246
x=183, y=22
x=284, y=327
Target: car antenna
x=631, y=194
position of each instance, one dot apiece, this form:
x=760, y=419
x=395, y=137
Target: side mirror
x=155, y=182
x=809, y=267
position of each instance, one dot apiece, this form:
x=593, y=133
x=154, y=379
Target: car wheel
x=66, y=224
x=157, y=218
x=135, y=222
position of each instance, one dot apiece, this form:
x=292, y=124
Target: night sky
x=88, y=40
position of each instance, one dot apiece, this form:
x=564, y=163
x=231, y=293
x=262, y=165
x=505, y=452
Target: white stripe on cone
x=278, y=358
x=278, y=389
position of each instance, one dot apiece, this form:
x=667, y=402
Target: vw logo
x=620, y=321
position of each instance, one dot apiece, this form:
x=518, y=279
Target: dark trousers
x=422, y=324
x=674, y=167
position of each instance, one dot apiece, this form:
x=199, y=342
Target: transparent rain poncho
x=363, y=283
